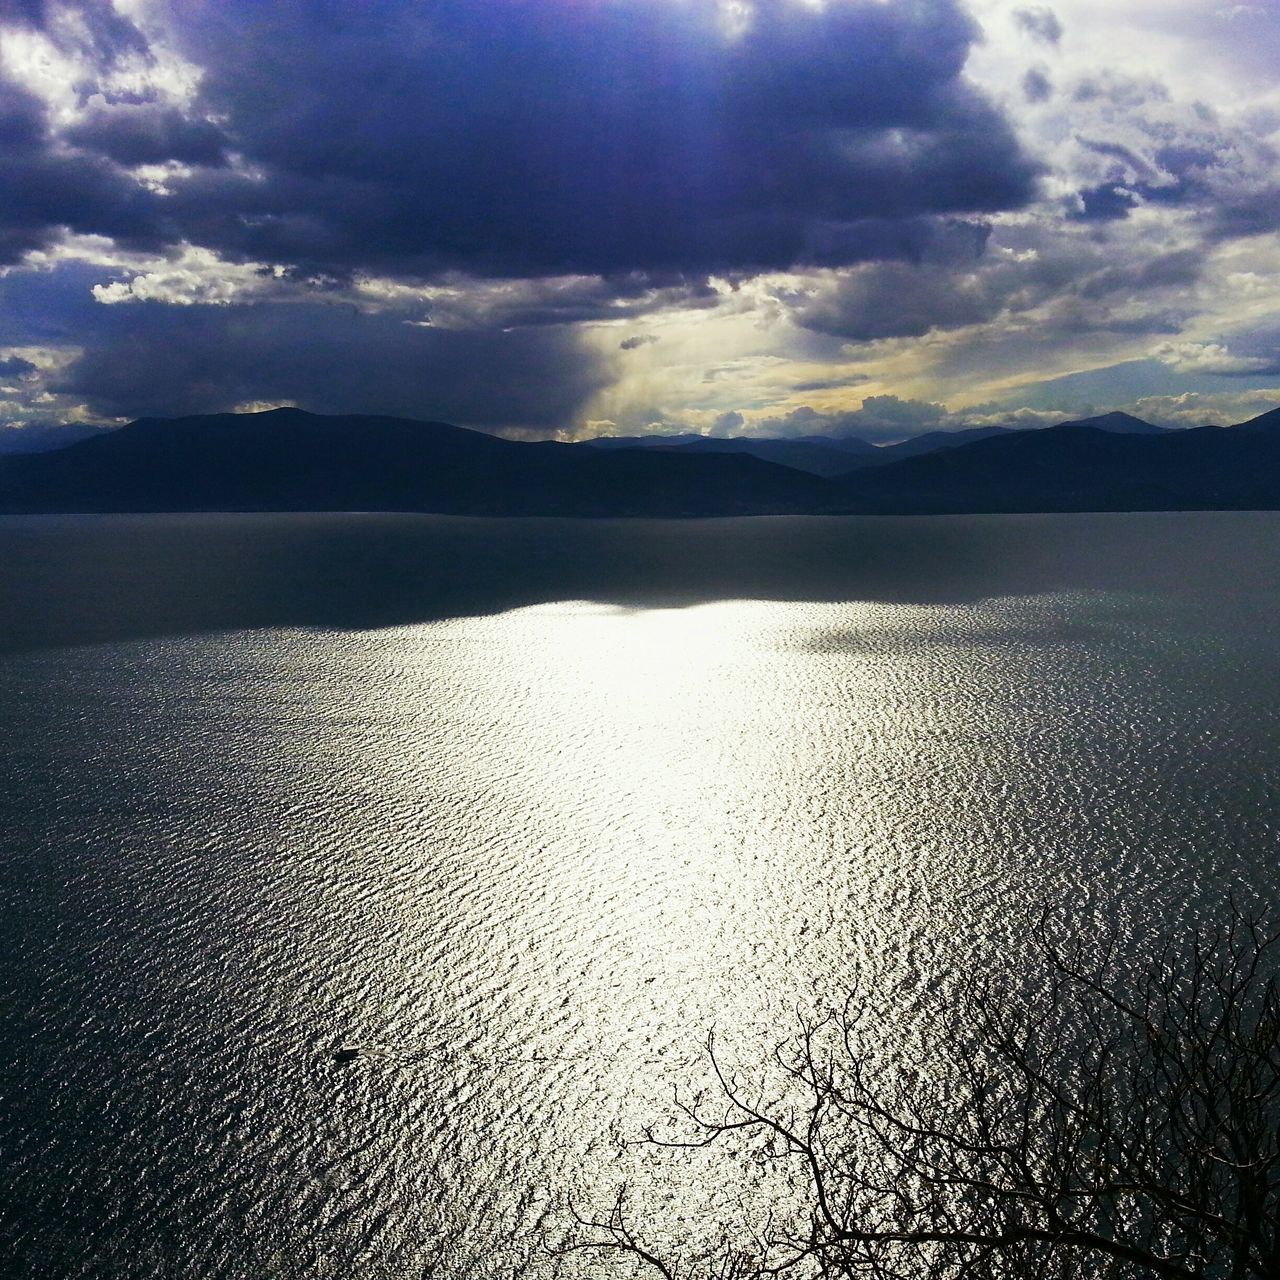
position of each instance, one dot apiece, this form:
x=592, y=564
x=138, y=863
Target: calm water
x=523, y=809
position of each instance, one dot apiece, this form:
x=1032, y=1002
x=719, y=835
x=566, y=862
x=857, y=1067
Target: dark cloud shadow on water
x=86, y=579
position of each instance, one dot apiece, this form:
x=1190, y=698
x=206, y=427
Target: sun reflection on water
x=524, y=862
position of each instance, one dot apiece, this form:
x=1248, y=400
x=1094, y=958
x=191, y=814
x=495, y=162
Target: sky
x=566, y=218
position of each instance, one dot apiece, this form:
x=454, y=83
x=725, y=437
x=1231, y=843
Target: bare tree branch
x=1094, y=1130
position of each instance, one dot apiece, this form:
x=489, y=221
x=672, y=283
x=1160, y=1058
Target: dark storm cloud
x=99, y=29
x=156, y=360
x=15, y=367
x=1087, y=288
x=1248, y=213
x=1179, y=268
x=144, y=133
x=892, y=300
x=151, y=359
x=1107, y=202
x=511, y=138
x=46, y=187
x=505, y=138
x=572, y=300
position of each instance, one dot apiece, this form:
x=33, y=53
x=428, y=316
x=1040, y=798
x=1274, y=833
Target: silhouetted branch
x=1092, y=1130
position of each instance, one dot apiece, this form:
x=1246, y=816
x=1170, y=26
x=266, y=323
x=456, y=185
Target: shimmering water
x=480, y=799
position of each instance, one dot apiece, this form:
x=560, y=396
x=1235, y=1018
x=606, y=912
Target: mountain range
x=291, y=460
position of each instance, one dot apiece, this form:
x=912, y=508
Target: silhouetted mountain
x=288, y=460
x=1080, y=468
x=802, y=455
x=643, y=442
x=818, y=456
x=41, y=437
x=1124, y=424
x=1269, y=421
x=846, y=443
x=837, y=455
x=931, y=442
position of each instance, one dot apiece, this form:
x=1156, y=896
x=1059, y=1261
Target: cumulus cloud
x=728, y=423
x=1199, y=409
x=192, y=277
x=882, y=418
x=1213, y=358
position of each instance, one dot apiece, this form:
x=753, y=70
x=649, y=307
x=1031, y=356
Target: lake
x=521, y=809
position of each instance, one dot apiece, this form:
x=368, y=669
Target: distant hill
x=932, y=441
x=41, y=437
x=818, y=456
x=289, y=460
x=672, y=441
x=835, y=455
x=846, y=443
x=1124, y=424
x=1269, y=421
x=1082, y=468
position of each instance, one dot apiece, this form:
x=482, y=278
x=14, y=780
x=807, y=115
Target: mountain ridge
x=291, y=460
x=314, y=462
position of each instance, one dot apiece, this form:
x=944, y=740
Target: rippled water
x=526, y=844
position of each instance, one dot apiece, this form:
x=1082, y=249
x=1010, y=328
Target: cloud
x=891, y=300
x=1245, y=213
x=1036, y=85
x=1065, y=284
x=879, y=418
x=1213, y=358
x=146, y=133
x=504, y=138
x=1135, y=145
x=1105, y=202
x=47, y=189
x=190, y=277
x=95, y=28
x=1198, y=409
x=885, y=415
x=803, y=200
x=1040, y=22
x=152, y=359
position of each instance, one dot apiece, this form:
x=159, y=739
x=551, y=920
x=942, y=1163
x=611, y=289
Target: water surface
x=523, y=808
